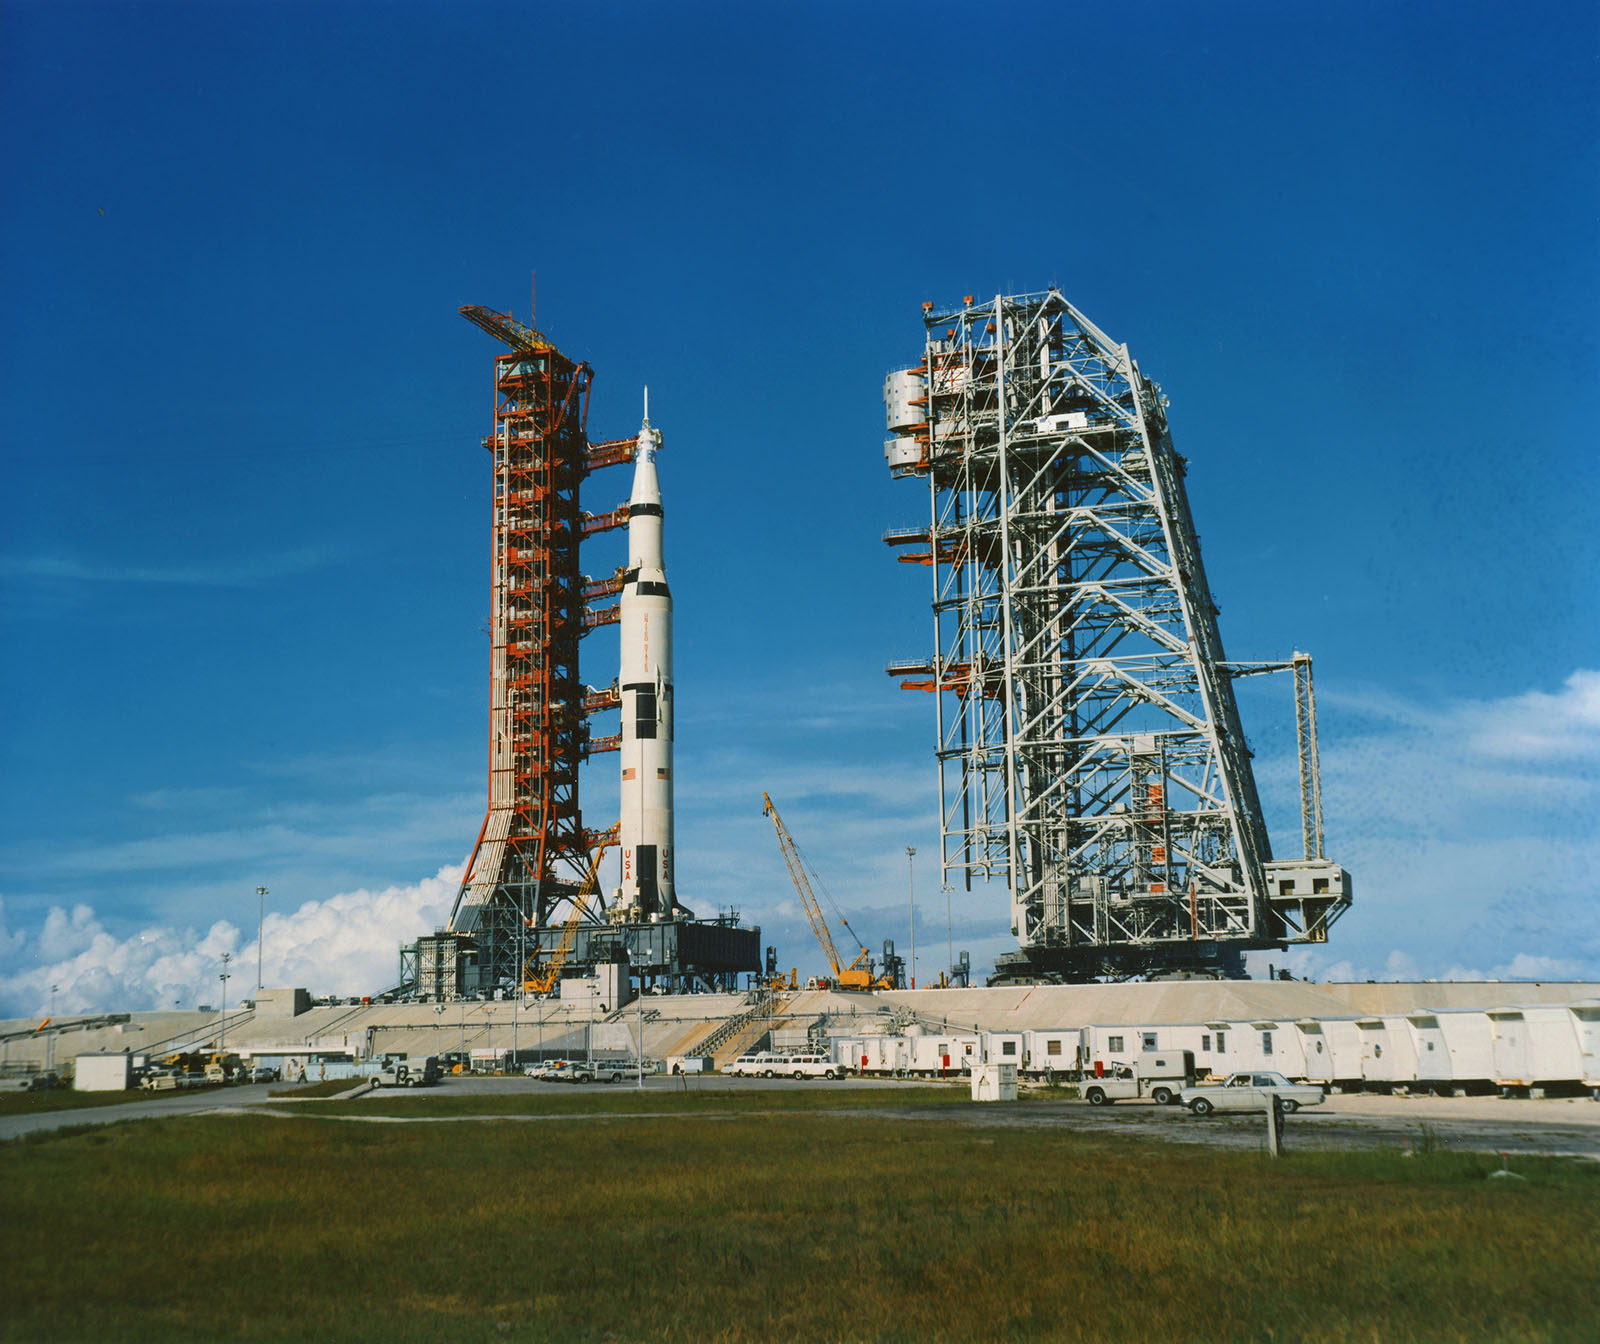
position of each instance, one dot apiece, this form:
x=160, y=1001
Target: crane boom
x=543, y=981
x=504, y=327
x=802, y=886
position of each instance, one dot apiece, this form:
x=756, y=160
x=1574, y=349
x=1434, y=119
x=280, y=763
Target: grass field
x=795, y=1226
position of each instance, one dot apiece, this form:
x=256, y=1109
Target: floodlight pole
x=222, y=1034
x=261, y=922
x=50, y=1040
x=949, y=934
x=911, y=887
x=638, y=1009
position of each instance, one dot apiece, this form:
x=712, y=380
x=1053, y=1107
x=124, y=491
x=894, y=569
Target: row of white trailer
x=1549, y=1048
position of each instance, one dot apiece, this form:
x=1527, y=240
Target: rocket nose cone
x=646, y=485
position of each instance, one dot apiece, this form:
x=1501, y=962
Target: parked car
x=262, y=1074
x=763, y=1065
x=806, y=1066
x=1249, y=1092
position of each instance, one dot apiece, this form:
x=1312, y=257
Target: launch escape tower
x=1089, y=745
x=522, y=907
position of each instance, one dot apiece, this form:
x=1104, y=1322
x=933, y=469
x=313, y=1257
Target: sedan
x=1249, y=1092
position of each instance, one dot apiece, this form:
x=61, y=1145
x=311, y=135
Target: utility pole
x=222, y=1041
x=639, y=1016
x=949, y=935
x=261, y=921
x=911, y=885
x=50, y=1040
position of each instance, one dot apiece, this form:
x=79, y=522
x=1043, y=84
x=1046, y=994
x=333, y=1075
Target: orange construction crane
x=545, y=979
x=858, y=974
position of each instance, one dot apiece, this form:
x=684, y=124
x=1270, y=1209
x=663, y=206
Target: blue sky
x=243, y=535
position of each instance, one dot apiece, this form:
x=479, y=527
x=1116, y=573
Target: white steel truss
x=1090, y=749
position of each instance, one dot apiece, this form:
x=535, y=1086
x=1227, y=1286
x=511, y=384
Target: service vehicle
x=589, y=1071
x=806, y=1066
x=612, y=1070
x=690, y=1064
x=403, y=1071
x=762, y=1065
x=1249, y=1092
x=1157, y=1075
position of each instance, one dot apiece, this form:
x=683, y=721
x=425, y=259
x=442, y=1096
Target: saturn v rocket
x=645, y=681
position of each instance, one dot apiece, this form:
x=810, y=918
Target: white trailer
x=1004, y=1047
x=881, y=1056
x=1318, y=1053
x=942, y=1054
x=1388, y=1058
x=1261, y=1044
x=1048, y=1054
x=1470, y=1044
x=1586, y=1030
x=1345, y=1046
x=1432, y=1052
x=1111, y=1045
x=1534, y=1047
x=102, y=1073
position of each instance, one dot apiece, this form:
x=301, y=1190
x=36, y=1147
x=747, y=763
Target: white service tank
x=905, y=399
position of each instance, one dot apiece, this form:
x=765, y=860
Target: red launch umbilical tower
x=533, y=849
x=523, y=911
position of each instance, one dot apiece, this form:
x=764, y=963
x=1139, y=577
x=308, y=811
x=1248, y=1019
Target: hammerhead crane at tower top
x=1090, y=752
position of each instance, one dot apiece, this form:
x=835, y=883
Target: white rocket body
x=645, y=680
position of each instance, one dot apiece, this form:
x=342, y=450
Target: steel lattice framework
x=533, y=850
x=1089, y=743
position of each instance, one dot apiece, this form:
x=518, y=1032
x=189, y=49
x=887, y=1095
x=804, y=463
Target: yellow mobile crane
x=544, y=980
x=858, y=974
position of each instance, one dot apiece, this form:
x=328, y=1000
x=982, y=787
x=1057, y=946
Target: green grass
x=797, y=1226
x=328, y=1087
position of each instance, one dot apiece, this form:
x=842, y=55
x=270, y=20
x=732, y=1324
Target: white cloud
x=346, y=944
x=1542, y=727
x=1469, y=829
x=239, y=573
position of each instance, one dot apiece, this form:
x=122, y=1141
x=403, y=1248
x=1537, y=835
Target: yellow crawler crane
x=858, y=974
x=542, y=981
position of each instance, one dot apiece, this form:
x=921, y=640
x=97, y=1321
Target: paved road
x=1483, y=1124
x=14, y=1126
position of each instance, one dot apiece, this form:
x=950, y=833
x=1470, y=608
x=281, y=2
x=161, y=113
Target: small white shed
x=102, y=1073
x=994, y=1082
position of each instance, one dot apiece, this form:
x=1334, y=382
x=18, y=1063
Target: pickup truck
x=1249, y=1092
x=407, y=1072
x=579, y=1071
x=1157, y=1075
